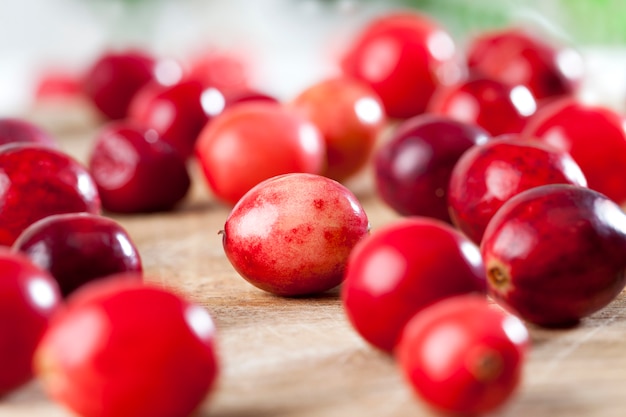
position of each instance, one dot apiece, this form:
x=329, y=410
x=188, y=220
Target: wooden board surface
x=299, y=357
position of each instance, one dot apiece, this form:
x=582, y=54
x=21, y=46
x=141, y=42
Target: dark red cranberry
x=595, y=137
x=18, y=130
x=555, y=254
x=496, y=107
x=517, y=57
x=114, y=78
x=28, y=298
x=77, y=248
x=37, y=182
x=489, y=174
x=136, y=170
x=177, y=112
x=413, y=168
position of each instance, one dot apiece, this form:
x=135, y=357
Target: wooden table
x=300, y=357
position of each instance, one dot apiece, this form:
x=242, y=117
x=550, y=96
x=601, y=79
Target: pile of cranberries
x=509, y=192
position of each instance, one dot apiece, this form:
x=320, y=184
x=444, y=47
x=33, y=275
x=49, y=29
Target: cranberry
x=58, y=85
x=404, y=57
x=77, y=248
x=224, y=70
x=254, y=141
x=413, y=167
x=463, y=356
x=517, y=57
x=402, y=268
x=350, y=117
x=292, y=234
x=176, y=112
x=115, y=77
x=37, y=182
x=489, y=174
x=28, y=297
x=496, y=107
x=136, y=170
x=247, y=95
x=122, y=349
x=594, y=136
x=555, y=253
x=22, y=131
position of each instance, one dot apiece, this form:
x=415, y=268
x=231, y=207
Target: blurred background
x=286, y=43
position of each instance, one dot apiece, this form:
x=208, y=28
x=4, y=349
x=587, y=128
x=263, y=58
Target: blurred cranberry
x=114, y=78
x=222, y=70
x=18, y=130
x=404, y=57
x=58, y=85
x=244, y=96
x=516, y=57
x=136, y=170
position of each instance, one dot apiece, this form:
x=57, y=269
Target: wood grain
x=299, y=357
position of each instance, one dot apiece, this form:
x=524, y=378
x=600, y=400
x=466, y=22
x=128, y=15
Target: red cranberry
x=176, y=112
x=122, y=349
x=225, y=71
x=77, y=248
x=292, y=234
x=400, y=269
x=254, y=141
x=555, y=254
x=136, y=170
x=247, y=95
x=58, y=85
x=516, y=57
x=496, y=107
x=462, y=356
x=350, y=116
x=28, y=298
x=114, y=78
x=22, y=131
x=593, y=135
x=489, y=174
x=404, y=57
x=37, y=182
x=413, y=167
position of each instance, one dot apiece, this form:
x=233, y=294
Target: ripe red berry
x=496, y=107
x=488, y=175
x=350, y=116
x=254, y=141
x=136, y=170
x=413, y=166
x=122, y=349
x=37, y=182
x=114, y=78
x=595, y=137
x=517, y=57
x=555, y=254
x=28, y=298
x=18, y=130
x=77, y=248
x=402, y=268
x=404, y=57
x=463, y=356
x=292, y=234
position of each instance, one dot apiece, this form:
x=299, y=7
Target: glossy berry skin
x=254, y=141
x=114, y=78
x=176, y=112
x=123, y=349
x=291, y=234
x=594, y=136
x=21, y=131
x=517, y=57
x=38, y=182
x=136, y=170
x=555, y=254
x=412, y=167
x=487, y=175
x=404, y=57
x=28, y=298
x=402, y=268
x=496, y=107
x=77, y=248
x=350, y=117
x=463, y=356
